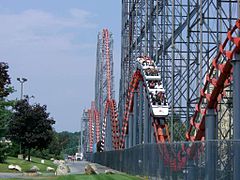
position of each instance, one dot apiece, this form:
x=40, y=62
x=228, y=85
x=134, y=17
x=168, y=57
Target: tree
x=3, y=151
x=5, y=81
x=179, y=127
x=54, y=148
x=31, y=126
x=5, y=115
x=69, y=142
x=5, y=108
x=5, y=90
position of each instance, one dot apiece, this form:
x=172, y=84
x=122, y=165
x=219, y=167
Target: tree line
x=27, y=128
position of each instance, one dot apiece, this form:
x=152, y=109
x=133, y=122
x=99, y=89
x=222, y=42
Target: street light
x=22, y=81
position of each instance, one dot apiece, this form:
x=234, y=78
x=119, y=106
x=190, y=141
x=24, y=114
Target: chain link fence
x=198, y=160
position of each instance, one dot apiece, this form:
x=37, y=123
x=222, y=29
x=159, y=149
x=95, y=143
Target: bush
x=3, y=151
x=45, y=154
x=14, y=150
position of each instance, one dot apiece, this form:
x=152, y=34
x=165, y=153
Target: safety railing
x=152, y=160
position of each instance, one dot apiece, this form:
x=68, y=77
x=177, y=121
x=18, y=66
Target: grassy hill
x=26, y=165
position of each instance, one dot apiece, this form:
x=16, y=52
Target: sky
x=53, y=45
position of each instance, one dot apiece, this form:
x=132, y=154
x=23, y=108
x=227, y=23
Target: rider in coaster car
x=141, y=60
x=147, y=71
x=148, y=60
x=158, y=85
x=144, y=63
x=151, y=84
x=154, y=72
x=160, y=97
x=153, y=97
x=151, y=72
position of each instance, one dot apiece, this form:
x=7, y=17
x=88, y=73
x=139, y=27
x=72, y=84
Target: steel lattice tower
x=85, y=132
x=101, y=79
x=182, y=36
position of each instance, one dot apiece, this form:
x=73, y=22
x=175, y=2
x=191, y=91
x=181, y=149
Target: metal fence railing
x=185, y=160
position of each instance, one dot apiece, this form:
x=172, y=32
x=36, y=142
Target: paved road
x=20, y=175
x=10, y=175
x=78, y=167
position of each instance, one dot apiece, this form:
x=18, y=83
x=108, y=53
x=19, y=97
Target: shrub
x=14, y=150
x=4, y=146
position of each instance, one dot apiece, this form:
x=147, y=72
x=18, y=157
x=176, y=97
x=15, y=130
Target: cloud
x=39, y=18
x=56, y=53
x=36, y=28
x=81, y=14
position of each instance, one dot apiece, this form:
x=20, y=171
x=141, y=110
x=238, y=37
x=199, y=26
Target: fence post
x=130, y=130
x=135, y=118
x=211, y=151
x=236, y=116
x=146, y=121
x=190, y=170
x=140, y=112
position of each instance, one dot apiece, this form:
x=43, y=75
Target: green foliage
x=69, y=142
x=46, y=154
x=179, y=127
x=14, y=150
x=31, y=126
x=54, y=148
x=179, y=131
x=5, y=106
x=5, y=113
x=3, y=151
x=62, y=143
x=5, y=81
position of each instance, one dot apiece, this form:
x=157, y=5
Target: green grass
x=26, y=165
x=86, y=177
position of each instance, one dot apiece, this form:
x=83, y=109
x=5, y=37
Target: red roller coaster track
x=219, y=84
x=212, y=98
x=110, y=103
x=93, y=116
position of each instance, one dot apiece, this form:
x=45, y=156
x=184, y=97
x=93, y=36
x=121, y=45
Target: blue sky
x=53, y=44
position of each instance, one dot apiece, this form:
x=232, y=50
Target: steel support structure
x=90, y=130
x=84, y=130
x=182, y=36
x=108, y=133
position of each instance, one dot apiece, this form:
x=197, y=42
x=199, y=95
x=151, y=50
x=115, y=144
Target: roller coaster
x=147, y=72
x=146, y=114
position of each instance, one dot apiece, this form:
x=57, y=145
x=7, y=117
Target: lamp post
x=22, y=81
